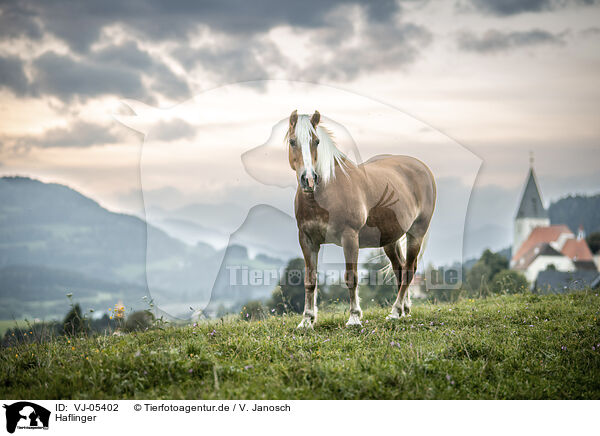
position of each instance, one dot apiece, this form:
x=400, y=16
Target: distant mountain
x=53, y=240
x=575, y=211
x=54, y=226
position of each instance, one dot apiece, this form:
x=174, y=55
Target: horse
x=370, y=205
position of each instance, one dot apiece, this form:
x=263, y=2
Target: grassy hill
x=522, y=346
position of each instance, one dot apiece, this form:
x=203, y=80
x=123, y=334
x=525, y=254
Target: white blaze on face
x=304, y=131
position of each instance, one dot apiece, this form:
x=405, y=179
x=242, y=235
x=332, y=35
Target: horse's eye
x=293, y=142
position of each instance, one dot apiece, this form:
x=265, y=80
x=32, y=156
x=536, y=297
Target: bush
x=139, y=321
x=253, y=311
x=509, y=282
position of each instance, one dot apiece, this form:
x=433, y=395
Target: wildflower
x=195, y=324
x=190, y=370
x=73, y=348
x=326, y=340
x=248, y=367
x=362, y=331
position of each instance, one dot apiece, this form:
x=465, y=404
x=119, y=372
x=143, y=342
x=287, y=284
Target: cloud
x=505, y=8
x=173, y=130
x=85, y=134
x=116, y=70
x=80, y=24
x=12, y=75
x=495, y=41
x=382, y=47
x=347, y=45
x=235, y=59
x=78, y=134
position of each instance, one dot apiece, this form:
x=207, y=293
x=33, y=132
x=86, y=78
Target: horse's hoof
x=305, y=324
x=354, y=320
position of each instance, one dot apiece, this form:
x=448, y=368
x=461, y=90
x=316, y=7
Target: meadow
x=507, y=347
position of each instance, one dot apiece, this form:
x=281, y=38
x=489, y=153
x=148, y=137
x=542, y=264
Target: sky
x=500, y=78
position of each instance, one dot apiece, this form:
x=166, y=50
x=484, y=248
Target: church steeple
x=531, y=203
x=531, y=212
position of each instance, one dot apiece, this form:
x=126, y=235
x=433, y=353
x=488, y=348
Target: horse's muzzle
x=308, y=182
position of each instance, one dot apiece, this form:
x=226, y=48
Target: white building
x=539, y=246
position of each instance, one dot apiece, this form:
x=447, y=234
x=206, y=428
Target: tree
x=488, y=265
x=593, y=241
x=74, y=323
x=509, y=282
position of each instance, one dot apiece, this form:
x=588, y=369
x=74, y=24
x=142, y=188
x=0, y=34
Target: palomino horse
x=356, y=206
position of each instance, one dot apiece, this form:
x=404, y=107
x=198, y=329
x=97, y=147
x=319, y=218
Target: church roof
x=531, y=203
x=539, y=235
x=540, y=249
x=577, y=249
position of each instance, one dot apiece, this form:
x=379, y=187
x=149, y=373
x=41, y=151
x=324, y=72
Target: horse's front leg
x=350, y=246
x=310, y=251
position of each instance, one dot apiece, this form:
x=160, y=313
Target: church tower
x=531, y=212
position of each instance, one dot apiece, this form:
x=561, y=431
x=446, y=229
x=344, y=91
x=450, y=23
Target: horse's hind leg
x=401, y=306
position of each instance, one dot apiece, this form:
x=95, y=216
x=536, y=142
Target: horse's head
x=303, y=143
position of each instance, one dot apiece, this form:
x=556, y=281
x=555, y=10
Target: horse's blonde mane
x=328, y=153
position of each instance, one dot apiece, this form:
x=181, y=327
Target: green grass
x=522, y=346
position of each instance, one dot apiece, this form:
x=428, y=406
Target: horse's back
x=409, y=170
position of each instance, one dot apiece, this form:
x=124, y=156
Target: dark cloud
x=234, y=60
x=513, y=7
x=81, y=23
x=115, y=70
x=66, y=77
x=12, y=75
x=17, y=20
x=383, y=47
x=495, y=41
x=78, y=134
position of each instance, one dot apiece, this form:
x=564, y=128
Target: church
x=548, y=254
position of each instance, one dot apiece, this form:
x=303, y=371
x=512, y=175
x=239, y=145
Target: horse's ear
x=314, y=120
x=293, y=119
